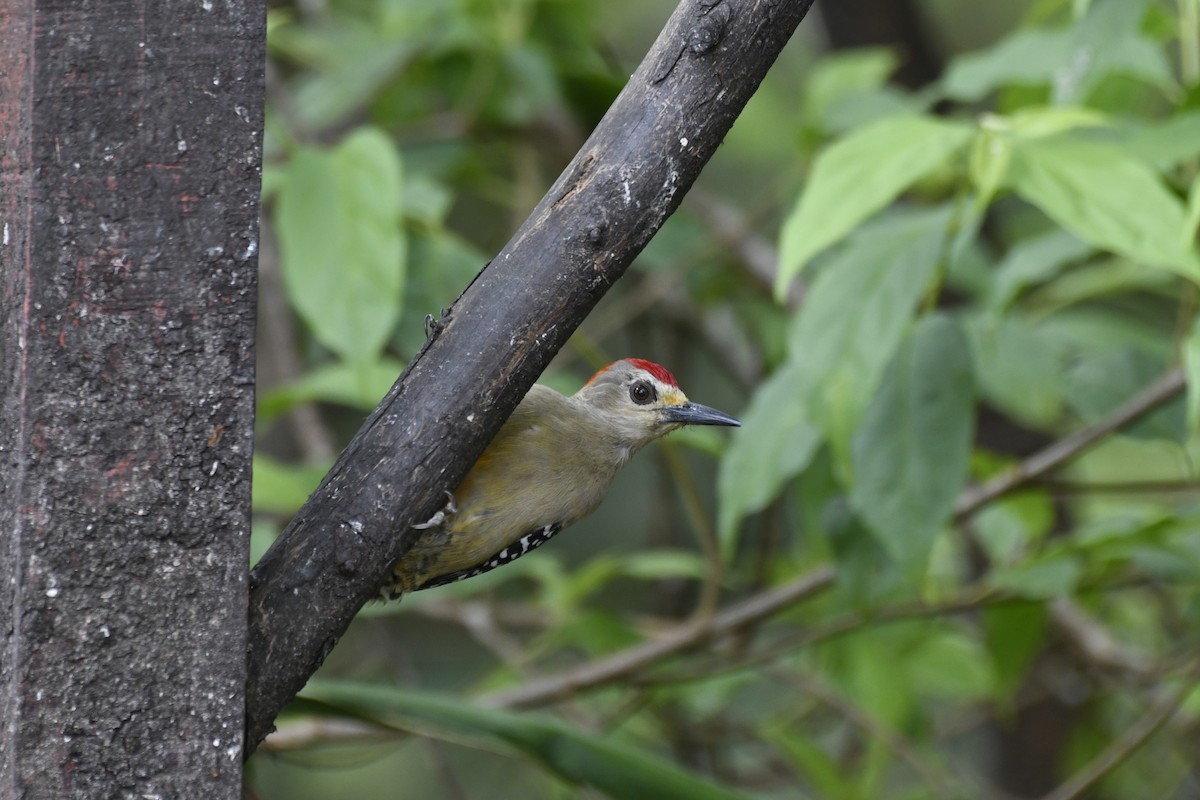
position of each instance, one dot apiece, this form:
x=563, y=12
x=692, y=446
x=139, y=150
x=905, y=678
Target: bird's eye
x=642, y=393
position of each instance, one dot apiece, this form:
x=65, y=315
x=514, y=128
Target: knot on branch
x=595, y=233
x=710, y=29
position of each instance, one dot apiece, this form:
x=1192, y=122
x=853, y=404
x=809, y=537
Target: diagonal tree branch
x=1063, y=450
x=1120, y=749
x=501, y=333
x=624, y=663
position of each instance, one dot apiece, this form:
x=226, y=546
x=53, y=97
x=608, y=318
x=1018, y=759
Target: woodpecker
x=549, y=466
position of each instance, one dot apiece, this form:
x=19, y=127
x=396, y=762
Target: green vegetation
x=914, y=577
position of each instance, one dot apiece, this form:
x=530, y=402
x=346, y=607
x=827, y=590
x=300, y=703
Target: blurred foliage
x=965, y=274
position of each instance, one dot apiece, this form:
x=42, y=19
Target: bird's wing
x=530, y=541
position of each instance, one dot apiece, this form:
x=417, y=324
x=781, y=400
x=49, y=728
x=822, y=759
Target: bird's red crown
x=661, y=373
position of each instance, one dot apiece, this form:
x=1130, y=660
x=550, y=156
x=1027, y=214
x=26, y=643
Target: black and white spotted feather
x=527, y=543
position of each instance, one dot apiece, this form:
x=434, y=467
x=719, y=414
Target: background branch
x=1063, y=450
x=550, y=689
x=1158, y=714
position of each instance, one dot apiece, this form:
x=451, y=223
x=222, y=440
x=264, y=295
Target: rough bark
x=501, y=333
x=129, y=179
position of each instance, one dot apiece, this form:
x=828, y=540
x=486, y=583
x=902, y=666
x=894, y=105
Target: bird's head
x=638, y=401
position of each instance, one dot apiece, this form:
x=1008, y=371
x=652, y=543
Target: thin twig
x=935, y=783
x=967, y=600
x=1127, y=743
x=479, y=619
x=1117, y=487
x=404, y=673
x=300, y=734
x=1094, y=643
x=735, y=234
x=457, y=612
x=717, y=328
x=549, y=689
x=1065, y=449
x=689, y=495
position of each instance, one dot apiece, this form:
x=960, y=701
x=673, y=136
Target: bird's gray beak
x=695, y=414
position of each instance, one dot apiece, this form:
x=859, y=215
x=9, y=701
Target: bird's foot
x=438, y=519
x=434, y=326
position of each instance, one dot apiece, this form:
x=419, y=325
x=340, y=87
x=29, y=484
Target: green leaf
x=625, y=771
x=776, y=441
x=1040, y=579
x=867, y=575
x=1098, y=383
x=703, y=440
x=848, y=72
x=342, y=248
x=949, y=664
x=859, y=110
x=1018, y=369
x=1009, y=528
x=1106, y=197
x=351, y=60
x=1013, y=634
x=911, y=451
x=1094, y=280
x=263, y=533
x=991, y=153
x=1192, y=223
x=1036, y=122
x=585, y=627
x=857, y=176
x=872, y=682
x=852, y=321
x=273, y=177
x=282, y=488
x=1026, y=57
x=426, y=200
x=1108, y=42
x=653, y=565
x=856, y=313
x=869, y=673
x=1033, y=261
x=848, y=89
x=442, y=265
x=826, y=774
x=357, y=385
x=1165, y=143
x=1073, y=61
x=1191, y=363
x=843, y=77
